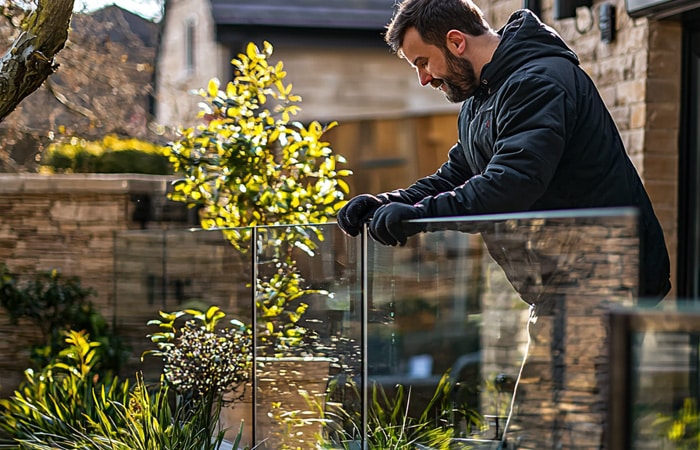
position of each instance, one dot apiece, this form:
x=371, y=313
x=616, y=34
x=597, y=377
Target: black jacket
x=537, y=136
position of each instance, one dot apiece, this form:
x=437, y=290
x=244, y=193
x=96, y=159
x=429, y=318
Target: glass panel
x=497, y=306
x=140, y=291
x=477, y=331
x=663, y=362
x=171, y=270
x=309, y=337
x=660, y=351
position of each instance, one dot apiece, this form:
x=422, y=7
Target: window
x=689, y=167
x=190, y=46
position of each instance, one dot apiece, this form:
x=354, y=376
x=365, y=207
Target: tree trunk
x=30, y=59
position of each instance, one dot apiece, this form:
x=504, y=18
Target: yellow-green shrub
x=111, y=154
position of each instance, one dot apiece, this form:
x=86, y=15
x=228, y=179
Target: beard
x=461, y=83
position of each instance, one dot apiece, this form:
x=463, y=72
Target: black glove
x=389, y=227
x=358, y=211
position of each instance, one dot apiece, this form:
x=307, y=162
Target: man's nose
x=424, y=77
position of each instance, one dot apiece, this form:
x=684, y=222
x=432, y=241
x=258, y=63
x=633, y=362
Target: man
x=534, y=133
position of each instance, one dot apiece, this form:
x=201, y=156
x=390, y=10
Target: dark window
x=190, y=46
x=689, y=167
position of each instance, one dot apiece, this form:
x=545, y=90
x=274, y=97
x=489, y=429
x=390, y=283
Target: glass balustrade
x=480, y=332
x=655, y=374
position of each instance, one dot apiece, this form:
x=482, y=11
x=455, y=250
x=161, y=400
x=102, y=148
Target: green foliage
x=201, y=359
x=109, y=155
x=249, y=164
x=389, y=423
x=280, y=309
x=149, y=422
x=203, y=362
x=53, y=304
x=683, y=427
x=63, y=397
x=68, y=406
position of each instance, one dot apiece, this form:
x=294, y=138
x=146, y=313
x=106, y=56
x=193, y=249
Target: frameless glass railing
x=170, y=270
x=655, y=372
x=480, y=332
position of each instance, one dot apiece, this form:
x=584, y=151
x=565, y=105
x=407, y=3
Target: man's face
x=453, y=75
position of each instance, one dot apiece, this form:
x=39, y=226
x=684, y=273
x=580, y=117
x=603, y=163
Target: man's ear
x=456, y=42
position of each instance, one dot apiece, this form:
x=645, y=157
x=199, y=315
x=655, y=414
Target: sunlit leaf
x=213, y=87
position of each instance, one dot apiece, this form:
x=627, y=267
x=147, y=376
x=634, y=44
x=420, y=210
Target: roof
x=329, y=14
x=125, y=25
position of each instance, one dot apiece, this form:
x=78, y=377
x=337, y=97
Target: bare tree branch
x=30, y=59
x=85, y=112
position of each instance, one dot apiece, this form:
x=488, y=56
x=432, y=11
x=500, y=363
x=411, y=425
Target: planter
x=283, y=415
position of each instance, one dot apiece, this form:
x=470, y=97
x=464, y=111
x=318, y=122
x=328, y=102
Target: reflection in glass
x=656, y=357
x=478, y=331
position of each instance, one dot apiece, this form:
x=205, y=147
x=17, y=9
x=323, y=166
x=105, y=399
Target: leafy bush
x=682, y=428
x=203, y=361
x=68, y=406
x=53, y=304
x=151, y=423
x=63, y=398
x=110, y=155
x=248, y=164
x=390, y=425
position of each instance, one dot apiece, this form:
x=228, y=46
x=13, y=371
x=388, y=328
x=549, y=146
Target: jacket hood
x=523, y=39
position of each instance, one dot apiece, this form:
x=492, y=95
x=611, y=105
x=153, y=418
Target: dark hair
x=433, y=19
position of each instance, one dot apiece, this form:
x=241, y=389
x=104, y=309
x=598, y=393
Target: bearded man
x=534, y=133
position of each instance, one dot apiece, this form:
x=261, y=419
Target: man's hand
x=358, y=211
x=388, y=225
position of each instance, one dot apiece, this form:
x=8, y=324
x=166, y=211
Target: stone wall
x=68, y=223
x=573, y=271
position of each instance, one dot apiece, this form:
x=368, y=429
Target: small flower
x=202, y=361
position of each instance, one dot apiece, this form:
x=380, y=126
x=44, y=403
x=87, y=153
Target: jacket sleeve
x=531, y=117
x=451, y=174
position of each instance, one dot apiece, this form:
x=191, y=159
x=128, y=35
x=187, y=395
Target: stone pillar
x=571, y=271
